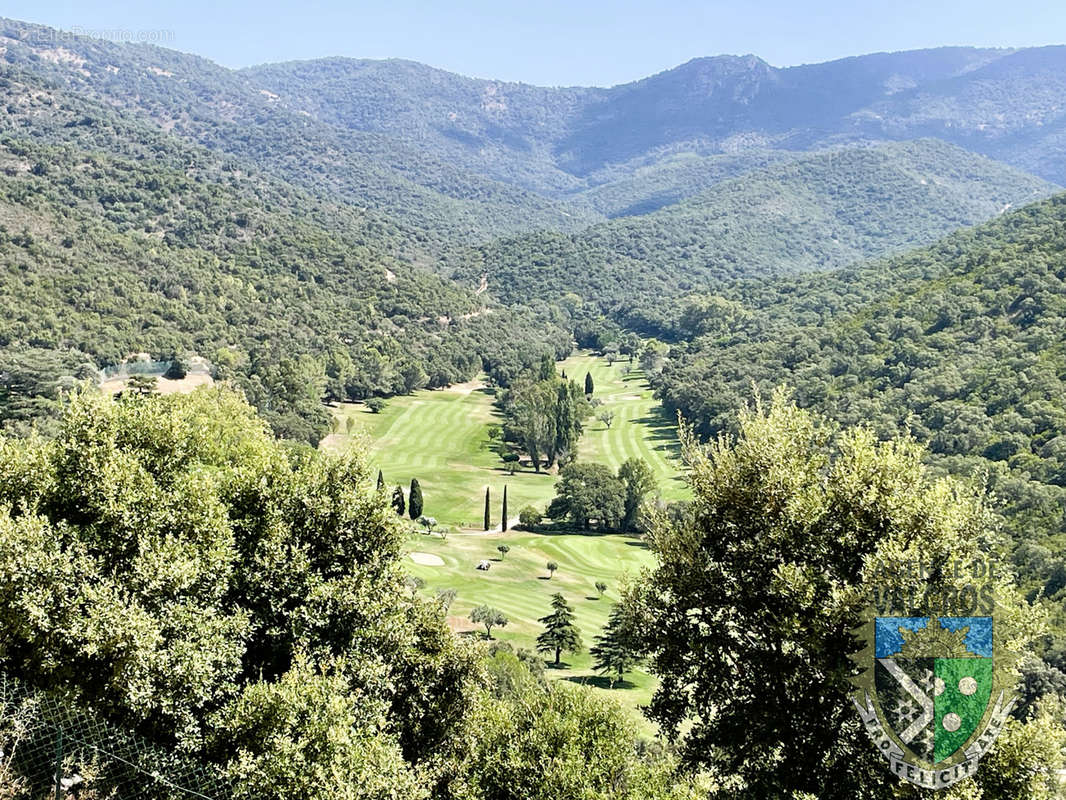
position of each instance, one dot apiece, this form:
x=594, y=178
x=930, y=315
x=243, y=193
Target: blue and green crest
x=931, y=695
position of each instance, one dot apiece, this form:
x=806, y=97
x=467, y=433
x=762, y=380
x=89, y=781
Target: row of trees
x=504, y=521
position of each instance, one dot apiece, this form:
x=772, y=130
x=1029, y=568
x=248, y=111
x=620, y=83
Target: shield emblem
x=933, y=680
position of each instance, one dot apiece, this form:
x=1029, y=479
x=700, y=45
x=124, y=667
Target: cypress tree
x=488, y=518
x=398, y=504
x=503, y=523
x=414, y=500
x=588, y=384
x=381, y=481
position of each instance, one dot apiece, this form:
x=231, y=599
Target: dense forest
x=739, y=238
x=215, y=108
x=958, y=345
x=106, y=256
x=820, y=211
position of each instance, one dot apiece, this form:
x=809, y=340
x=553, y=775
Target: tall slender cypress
x=381, y=481
x=588, y=384
x=488, y=517
x=503, y=522
x=414, y=500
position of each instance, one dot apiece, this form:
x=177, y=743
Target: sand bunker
x=427, y=559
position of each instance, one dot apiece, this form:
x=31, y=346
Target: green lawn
x=518, y=585
x=439, y=436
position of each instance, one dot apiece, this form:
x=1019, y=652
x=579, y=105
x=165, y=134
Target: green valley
x=370, y=431
x=440, y=437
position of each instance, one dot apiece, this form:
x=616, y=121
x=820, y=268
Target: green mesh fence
x=51, y=749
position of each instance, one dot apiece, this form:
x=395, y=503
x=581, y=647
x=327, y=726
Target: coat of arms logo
x=934, y=692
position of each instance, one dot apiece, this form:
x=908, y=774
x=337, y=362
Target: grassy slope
x=439, y=437
x=518, y=585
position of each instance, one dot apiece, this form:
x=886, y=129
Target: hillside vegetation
x=818, y=212
x=107, y=254
x=1003, y=103
x=959, y=344
x=218, y=109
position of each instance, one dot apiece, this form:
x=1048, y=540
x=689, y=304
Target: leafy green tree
x=570, y=408
x=615, y=653
x=503, y=550
x=606, y=417
x=398, y=502
x=560, y=634
x=601, y=587
x=446, y=597
x=551, y=567
x=376, y=404
x=1027, y=760
x=787, y=522
x=531, y=419
x=414, y=499
x=141, y=384
x=192, y=575
x=308, y=737
x=489, y=617
x=538, y=740
x=639, y=482
x=586, y=492
x=529, y=517
x=177, y=370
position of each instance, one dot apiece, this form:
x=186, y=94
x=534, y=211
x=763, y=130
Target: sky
x=555, y=42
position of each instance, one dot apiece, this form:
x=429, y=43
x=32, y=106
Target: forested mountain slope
x=1007, y=104
x=119, y=239
x=818, y=212
x=219, y=109
x=960, y=344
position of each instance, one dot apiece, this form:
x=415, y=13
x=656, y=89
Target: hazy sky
x=556, y=42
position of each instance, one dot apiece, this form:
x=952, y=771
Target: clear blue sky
x=559, y=42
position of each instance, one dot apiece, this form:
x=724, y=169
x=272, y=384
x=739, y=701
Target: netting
x=52, y=749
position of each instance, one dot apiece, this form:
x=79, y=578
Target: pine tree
x=414, y=500
x=588, y=384
x=488, y=517
x=398, y=504
x=614, y=654
x=560, y=632
x=381, y=481
x=503, y=523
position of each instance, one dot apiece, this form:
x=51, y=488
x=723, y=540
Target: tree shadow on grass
x=661, y=431
x=600, y=682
